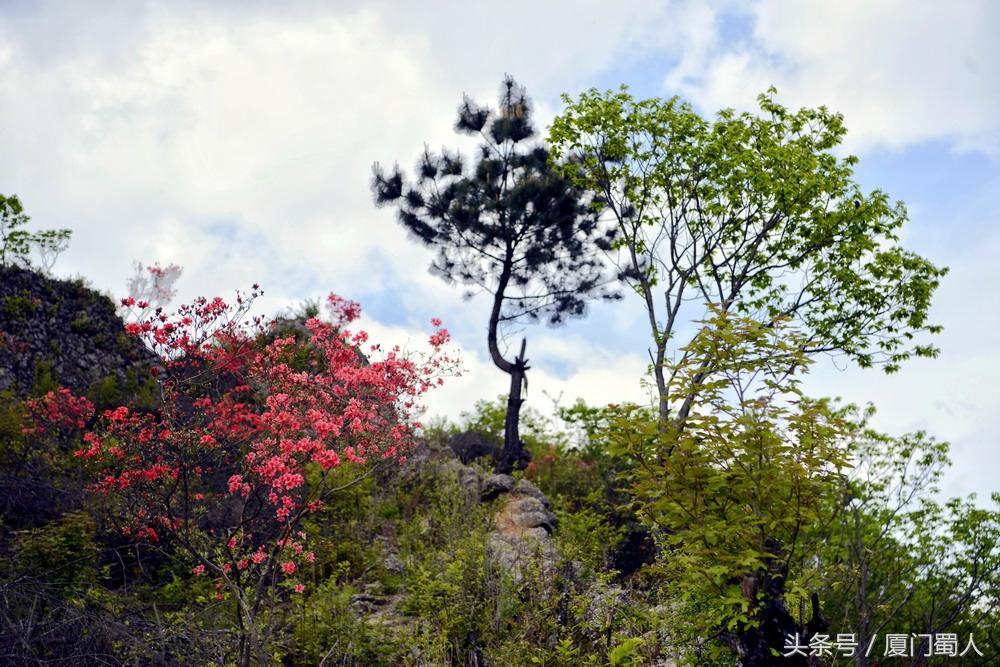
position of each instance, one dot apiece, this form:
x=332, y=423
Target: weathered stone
x=518, y=554
x=387, y=615
x=467, y=477
x=365, y=603
x=494, y=485
x=63, y=329
x=393, y=563
x=527, y=512
x=520, y=541
x=604, y=601
x=526, y=488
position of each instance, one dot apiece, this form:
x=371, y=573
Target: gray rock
x=604, y=602
x=67, y=327
x=518, y=554
x=526, y=488
x=529, y=512
x=393, y=563
x=365, y=603
x=520, y=541
x=494, y=485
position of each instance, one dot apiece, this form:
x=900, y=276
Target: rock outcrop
x=521, y=540
x=60, y=332
x=495, y=485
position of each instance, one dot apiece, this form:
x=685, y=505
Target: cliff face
x=59, y=332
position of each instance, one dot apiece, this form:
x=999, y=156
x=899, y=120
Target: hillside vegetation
x=207, y=485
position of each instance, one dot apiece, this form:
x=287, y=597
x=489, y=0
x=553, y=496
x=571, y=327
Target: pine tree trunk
x=514, y=455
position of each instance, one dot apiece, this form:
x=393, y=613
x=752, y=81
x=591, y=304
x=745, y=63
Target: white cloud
x=608, y=376
x=239, y=145
x=271, y=128
x=123, y=125
x=901, y=71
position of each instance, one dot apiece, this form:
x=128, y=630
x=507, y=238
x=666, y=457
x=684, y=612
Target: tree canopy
x=751, y=212
x=17, y=243
x=508, y=223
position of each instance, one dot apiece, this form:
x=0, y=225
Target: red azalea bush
x=58, y=411
x=39, y=483
x=250, y=429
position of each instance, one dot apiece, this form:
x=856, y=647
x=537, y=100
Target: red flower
x=289, y=409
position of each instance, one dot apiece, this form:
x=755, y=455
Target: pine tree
x=510, y=225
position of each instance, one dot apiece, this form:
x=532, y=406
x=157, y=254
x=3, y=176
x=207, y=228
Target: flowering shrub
x=59, y=411
x=250, y=430
x=38, y=481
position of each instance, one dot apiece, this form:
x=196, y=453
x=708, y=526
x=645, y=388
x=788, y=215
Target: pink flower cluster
x=270, y=416
x=59, y=411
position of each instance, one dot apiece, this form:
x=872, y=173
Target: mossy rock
x=62, y=333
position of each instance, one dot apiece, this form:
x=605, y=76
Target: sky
x=236, y=139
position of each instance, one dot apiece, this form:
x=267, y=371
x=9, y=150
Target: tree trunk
x=661, y=385
x=861, y=594
x=514, y=455
x=766, y=589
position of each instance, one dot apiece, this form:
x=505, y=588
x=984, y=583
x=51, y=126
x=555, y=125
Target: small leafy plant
x=17, y=243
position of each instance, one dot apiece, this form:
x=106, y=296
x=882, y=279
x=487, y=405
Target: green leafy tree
x=512, y=226
x=751, y=213
x=17, y=243
x=730, y=494
x=896, y=559
x=778, y=514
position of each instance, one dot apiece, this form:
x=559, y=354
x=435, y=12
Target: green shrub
x=81, y=323
x=105, y=393
x=61, y=553
x=455, y=598
x=589, y=537
x=324, y=627
x=45, y=379
x=12, y=423
x=18, y=307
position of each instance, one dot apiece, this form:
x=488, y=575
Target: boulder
x=526, y=513
x=495, y=485
x=521, y=540
x=526, y=488
x=393, y=563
